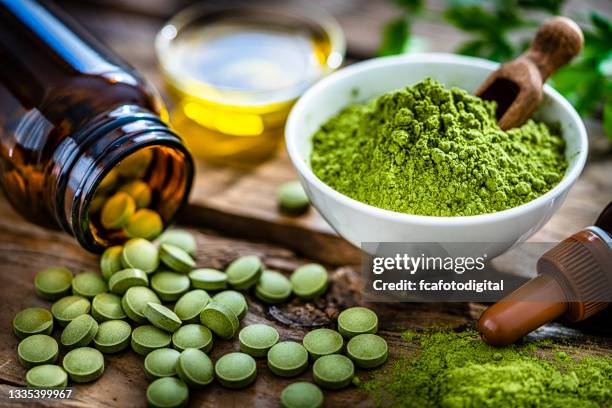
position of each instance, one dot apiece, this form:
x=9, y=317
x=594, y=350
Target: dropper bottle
x=574, y=282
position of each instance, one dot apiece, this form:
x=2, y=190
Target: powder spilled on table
x=456, y=370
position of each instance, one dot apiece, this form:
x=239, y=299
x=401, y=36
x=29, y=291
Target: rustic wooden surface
x=230, y=218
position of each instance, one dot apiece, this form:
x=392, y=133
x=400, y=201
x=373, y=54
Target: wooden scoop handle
x=557, y=41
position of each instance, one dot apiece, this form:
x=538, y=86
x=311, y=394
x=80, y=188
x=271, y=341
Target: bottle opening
x=138, y=197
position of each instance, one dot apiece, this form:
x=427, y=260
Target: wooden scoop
x=516, y=86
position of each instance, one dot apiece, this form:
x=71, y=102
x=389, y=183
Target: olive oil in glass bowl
x=234, y=73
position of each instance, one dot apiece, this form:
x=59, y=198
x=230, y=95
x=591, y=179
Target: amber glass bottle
x=70, y=112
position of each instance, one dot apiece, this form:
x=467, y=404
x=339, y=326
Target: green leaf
x=607, y=118
x=396, y=36
x=413, y=6
x=551, y=6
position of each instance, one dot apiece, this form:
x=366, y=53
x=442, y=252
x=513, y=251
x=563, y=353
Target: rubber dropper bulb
x=574, y=281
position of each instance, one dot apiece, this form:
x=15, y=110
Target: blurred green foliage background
x=491, y=25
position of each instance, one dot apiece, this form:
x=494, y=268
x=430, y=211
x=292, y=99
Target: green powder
x=429, y=150
x=457, y=370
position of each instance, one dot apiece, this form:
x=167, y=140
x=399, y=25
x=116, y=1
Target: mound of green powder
x=458, y=370
x=429, y=150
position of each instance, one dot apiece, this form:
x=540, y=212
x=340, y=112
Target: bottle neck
x=82, y=161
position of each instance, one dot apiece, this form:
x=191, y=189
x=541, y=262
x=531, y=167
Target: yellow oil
x=234, y=81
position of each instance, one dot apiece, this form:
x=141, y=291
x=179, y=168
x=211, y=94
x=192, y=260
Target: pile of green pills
x=151, y=298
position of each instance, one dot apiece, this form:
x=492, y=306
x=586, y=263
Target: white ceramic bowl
x=358, y=222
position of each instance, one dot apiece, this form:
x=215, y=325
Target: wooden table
x=230, y=220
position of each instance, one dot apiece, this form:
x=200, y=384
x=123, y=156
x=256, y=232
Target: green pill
x=68, y=308
x=367, y=350
x=139, y=191
x=195, y=368
x=144, y=223
x=309, y=281
x=33, y=320
x=121, y=281
x=357, y=320
x=193, y=336
x=107, y=306
x=135, y=300
x=79, y=332
x=170, y=286
x=53, y=283
x=97, y=202
x=273, y=287
x=244, y=272
x=179, y=238
x=220, y=319
x=236, y=370
x=117, y=210
x=235, y=301
x=287, y=359
x=145, y=339
x=302, y=395
x=113, y=336
x=321, y=342
x=36, y=350
x=161, y=363
x=167, y=392
x=175, y=258
x=333, y=371
x=138, y=253
x=190, y=305
x=292, y=198
x=162, y=317
x=257, y=339
x=208, y=279
x=47, y=376
x=88, y=284
x=110, y=262
x=135, y=165
x=108, y=183
x=84, y=364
